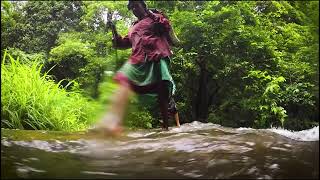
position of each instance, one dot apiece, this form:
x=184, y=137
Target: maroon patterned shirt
x=143, y=40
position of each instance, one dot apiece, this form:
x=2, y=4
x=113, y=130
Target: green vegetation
x=240, y=63
x=30, y=100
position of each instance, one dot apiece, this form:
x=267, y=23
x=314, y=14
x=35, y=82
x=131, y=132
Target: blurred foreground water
x=195, y=150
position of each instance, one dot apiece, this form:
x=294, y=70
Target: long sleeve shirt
x=144, y=40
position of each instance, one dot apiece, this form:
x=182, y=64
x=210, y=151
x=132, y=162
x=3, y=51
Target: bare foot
x=117, y=131
x=110, y=125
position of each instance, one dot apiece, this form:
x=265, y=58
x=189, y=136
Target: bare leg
x=112, y=120
x=163, y=97
x=176, y=117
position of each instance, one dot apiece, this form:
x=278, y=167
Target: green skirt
x=149, y=73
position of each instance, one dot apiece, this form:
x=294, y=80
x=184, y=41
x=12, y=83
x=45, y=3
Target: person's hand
x=111, y=25
x=113, y=28
x=149, y=12
x=152, y=15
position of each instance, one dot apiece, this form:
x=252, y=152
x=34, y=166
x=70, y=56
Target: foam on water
x=139, y=134
x=193, y=126
x=244, y=129
x=304, y=135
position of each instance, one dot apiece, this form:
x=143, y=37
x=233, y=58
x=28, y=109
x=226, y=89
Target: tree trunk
x=202, y=98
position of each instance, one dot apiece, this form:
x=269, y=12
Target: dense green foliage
x=31, y=100
x=250, y=63
x=240, y=63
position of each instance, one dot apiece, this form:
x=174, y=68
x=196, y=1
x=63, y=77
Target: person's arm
x=118, y=41
x=173, y=38
x=121, y=42
x=162, y=24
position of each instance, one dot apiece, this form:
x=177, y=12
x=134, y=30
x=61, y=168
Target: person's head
x=139, y=8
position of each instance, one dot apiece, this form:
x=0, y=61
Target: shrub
x=30, y=100
x=138, y=113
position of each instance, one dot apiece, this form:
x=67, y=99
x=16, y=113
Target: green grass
x=31, y=100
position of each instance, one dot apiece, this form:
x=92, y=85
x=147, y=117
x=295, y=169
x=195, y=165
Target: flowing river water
x=195, y=150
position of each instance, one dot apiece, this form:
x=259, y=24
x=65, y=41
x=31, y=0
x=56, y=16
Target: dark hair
x=130, y=4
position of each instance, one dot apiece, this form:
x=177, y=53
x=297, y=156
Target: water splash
x=195, y=150
x=304, y=135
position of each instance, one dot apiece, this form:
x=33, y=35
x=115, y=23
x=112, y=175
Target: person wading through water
x=147, y=70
